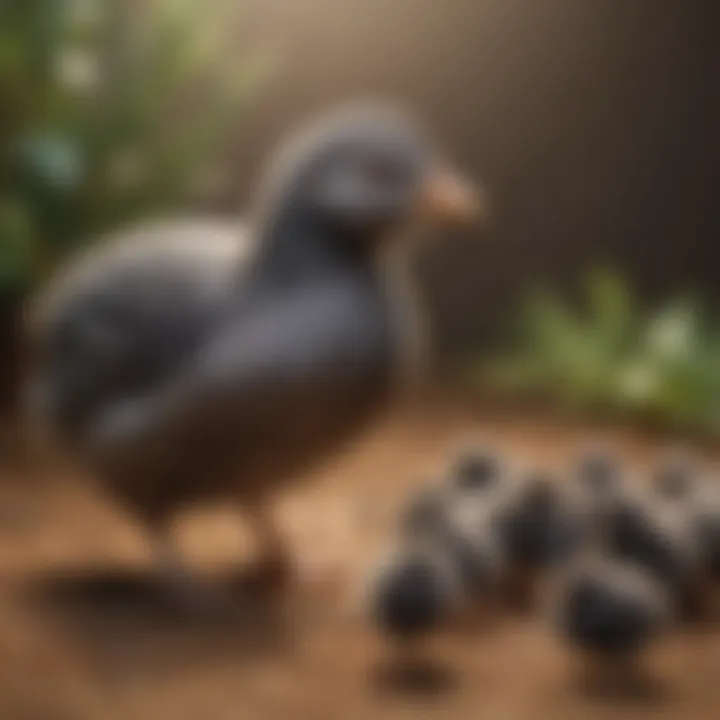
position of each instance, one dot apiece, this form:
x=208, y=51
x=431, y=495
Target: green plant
x=109, y=110
x=608, y=356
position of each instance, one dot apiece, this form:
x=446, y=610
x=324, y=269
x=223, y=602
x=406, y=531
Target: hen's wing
x=285, y=366
x=118, y=320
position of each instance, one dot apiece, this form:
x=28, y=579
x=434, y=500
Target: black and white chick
x=539, y=526
x=475, y=487
x=447, y=564
x=662, y=538
x=610, y=611
x=599, y=480
x=680, y=479
x=414, y=592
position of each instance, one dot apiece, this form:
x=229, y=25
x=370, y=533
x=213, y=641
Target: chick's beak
x=448, y=197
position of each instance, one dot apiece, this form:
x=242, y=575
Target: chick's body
x=539, y=527
x=447, y=563
x=415, y=592
x=610, y=608
x=660, y=537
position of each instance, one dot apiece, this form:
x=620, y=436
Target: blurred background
x=593, y=124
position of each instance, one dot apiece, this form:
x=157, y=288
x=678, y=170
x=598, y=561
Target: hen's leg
x=184, y=589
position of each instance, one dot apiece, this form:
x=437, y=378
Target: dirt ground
x=83, y=634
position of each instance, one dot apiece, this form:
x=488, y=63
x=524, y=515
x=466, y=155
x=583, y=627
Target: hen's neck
x=295, y=247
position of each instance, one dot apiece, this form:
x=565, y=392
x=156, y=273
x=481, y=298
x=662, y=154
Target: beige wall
x=595, y=121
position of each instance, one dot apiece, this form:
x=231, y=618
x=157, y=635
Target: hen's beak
x=448, y=197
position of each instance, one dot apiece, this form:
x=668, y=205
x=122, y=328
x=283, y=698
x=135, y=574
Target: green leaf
x=611, y=309
x=636, y=383
x=171, y=82
x=605, y=356
x=674, y=331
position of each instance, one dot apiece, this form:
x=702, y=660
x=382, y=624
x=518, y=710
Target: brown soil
x=84, y=634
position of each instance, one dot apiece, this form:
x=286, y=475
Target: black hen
x=177, y=378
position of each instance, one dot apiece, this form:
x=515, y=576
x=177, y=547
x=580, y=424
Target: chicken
x=177, y=368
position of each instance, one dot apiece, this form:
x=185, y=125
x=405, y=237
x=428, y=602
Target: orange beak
x=450, y=198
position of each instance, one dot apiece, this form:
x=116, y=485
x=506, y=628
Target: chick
x=478, y=485
x=610, y=611
x=663, y=539
x=475, y=548
x=678, y=478
x=603, y=494
x=414, y=592
x=538, y=526
x=446, y=567
x=599, y=482
x=683, y=484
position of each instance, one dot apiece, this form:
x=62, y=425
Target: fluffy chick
x=476, y=487
x=537, y=526
x=679, y=479
x=610, y=610
x=663, y=539
x=446, y=564
x=414, y=592
x=476, y=550
x=695, y=492
x=599, y=482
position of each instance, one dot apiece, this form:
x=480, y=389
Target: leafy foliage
x=109, y=110
x=609, y=356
